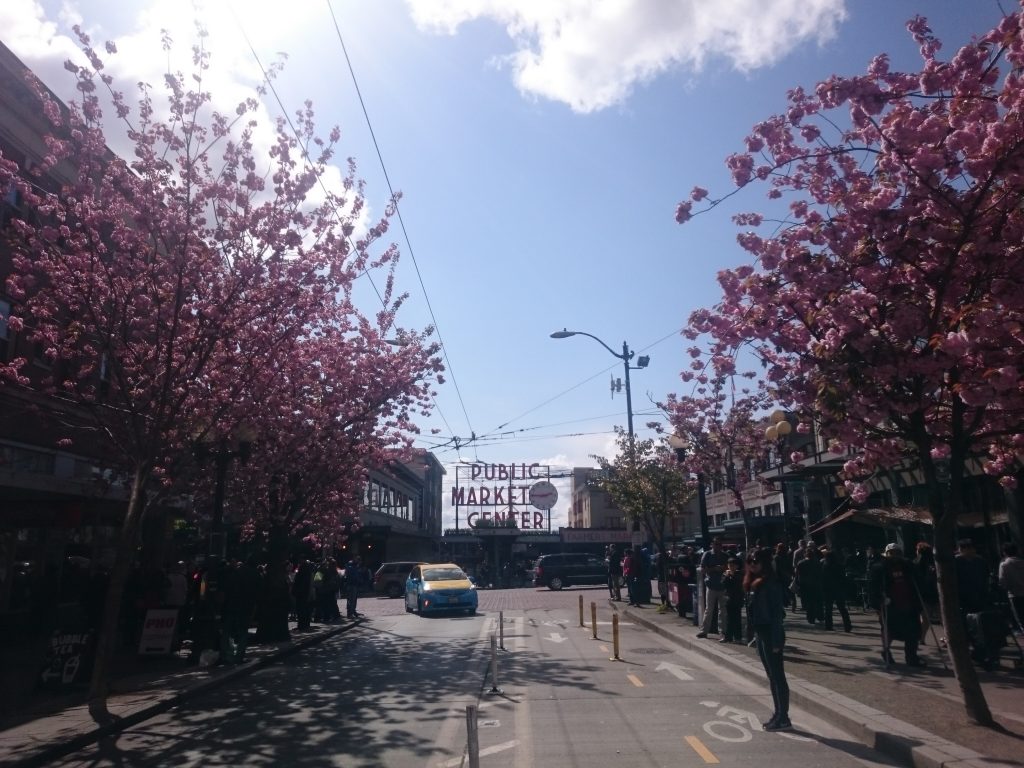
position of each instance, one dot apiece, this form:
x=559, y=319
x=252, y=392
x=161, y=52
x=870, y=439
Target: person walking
x=355, y=580
x=833, y=589
x=895, y=596
x=765, y=600
x=613, y=562
x=713, y=564
x=1011, y=578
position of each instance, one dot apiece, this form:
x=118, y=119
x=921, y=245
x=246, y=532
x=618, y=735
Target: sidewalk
x=63, y=725
x=841, y=678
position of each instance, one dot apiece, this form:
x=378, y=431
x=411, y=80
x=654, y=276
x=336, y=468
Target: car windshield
x=443, y=574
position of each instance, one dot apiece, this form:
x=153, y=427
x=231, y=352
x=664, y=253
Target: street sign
x=158, y=632
x=68, y=659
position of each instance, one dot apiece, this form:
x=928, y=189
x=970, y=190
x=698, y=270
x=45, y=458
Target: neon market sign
x=504, y=495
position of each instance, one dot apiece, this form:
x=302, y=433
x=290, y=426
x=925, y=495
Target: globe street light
x=778, y=432
x=625, y=356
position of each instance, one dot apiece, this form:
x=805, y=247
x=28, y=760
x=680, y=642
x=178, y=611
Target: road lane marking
x=635, y=681
x=673, y=669
x=698, y=746
x=557, y=637
x=603, y=648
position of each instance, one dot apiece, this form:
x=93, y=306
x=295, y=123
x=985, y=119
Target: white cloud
x=45, y=42
x=591, y=53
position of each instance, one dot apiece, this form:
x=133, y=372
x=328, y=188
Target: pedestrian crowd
x=746, y=596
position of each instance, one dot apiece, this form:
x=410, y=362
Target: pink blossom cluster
x=890, y=305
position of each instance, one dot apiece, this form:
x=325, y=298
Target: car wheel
x=556, y=583
x=470, y=611
x=419, y=607
x=407, y=608
x=394, y=590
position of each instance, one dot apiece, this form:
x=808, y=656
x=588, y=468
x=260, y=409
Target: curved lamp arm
x=564, y=334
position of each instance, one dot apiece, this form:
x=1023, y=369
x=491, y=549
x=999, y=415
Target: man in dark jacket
x=242, y=586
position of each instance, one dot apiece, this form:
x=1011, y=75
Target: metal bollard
x=581, y=612
x=593, y=620
x=472, y=737
x=501, y=630
x=494, y=666
x=615, y=638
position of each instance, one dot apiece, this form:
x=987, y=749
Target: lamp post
x=224, y=450
x=679, y=444
x=776, y=433
x=625, y=356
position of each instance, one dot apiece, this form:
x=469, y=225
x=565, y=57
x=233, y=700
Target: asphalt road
x=394, y=691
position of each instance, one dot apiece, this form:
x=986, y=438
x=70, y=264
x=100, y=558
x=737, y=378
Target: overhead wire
x=327, y=196
x=401, y=221
x=577, y=386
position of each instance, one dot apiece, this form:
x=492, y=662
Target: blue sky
x=541, y=147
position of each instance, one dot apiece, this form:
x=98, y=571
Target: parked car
x=569, y=569
x=439, y=587
x=390, y=578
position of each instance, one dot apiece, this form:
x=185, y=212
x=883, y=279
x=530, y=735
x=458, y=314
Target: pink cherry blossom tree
x=887, y=298
x=722, y=424
x=169, y=288
x=345, y=403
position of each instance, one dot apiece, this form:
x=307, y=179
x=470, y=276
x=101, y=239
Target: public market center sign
x=504, y=494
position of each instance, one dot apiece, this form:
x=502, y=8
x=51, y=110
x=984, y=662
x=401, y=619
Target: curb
x=878, y=730
x=52, y=752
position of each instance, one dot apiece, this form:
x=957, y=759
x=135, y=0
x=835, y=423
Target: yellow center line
x=698, y=746
x=635, y=681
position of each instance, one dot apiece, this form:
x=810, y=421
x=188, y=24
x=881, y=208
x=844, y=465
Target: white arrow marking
x=556, y=637
x=675, y=669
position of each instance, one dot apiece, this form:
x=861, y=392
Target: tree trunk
x=106, y=640
x=272, y=626
x=952, y=622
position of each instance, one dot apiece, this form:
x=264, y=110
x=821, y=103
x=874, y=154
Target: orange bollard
x=593, y=620
x=581, y=612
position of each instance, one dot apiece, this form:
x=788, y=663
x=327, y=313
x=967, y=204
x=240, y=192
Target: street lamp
x=625, y=356
x=776, y=433
x=679, y=444
x=223, y=451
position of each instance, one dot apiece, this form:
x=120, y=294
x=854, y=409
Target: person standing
x=732, y=586
x=713, y=565
x=782, y=562
x=833, y=589
x=683, y=571
x=242, y=586
x=895, y=596
x=303, y=595
x=629, y=568
x=971, y=578
x=767, y=608
x=355, y=580
x=1011, y=578
x=808, y=579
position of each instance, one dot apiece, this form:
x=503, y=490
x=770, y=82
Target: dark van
x=568, y=570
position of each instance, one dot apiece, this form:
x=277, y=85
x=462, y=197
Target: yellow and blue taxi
x=439, y=587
